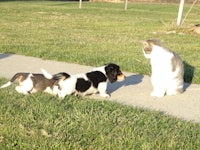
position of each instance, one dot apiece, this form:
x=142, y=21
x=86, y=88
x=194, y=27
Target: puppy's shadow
x=130, y=80
x=2, y=56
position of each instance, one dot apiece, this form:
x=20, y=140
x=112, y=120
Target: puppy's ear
x=111, y=72
x=107, y=64
x=61, y=76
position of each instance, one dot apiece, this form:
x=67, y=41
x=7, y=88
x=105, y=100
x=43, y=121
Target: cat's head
x=148, y=45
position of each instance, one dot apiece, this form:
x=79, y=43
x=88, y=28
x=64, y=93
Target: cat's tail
x=11, y=80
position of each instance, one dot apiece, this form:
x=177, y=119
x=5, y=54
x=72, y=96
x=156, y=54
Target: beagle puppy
x=89, y=83
x=29, y=83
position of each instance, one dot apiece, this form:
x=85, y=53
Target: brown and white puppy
x=90, y=82
x=31, y=83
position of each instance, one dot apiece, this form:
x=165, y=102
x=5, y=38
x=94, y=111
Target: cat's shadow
x=188, y=75
x=129, y=80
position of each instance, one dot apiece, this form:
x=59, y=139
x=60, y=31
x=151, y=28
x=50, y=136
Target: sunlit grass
x=94, y=35
x=98, y=33
x=42, y=121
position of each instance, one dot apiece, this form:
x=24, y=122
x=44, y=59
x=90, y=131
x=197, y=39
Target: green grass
x=98, y=33
x=41, y=121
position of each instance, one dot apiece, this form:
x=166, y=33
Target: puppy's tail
x=12, y=80
x=61, y=76
x=46, y=74
x=6, y=85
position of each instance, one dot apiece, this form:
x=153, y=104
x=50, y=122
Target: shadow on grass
x=188, y=75
x=130, y=80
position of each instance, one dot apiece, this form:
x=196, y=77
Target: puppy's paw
x=20, y=90
x=61, y=96
x=105, y=95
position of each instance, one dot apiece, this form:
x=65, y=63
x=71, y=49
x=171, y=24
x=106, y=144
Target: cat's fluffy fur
x=166, y=66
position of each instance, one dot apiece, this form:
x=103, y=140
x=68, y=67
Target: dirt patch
x=195, y=29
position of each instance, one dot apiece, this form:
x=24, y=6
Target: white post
x=180, y=12
x=126, y=4
x=80, y=3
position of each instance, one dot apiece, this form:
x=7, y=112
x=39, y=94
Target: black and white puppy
x=31, y=83
x=90, y=82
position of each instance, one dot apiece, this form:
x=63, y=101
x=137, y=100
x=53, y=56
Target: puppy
x=29, y=83
x=90, y=82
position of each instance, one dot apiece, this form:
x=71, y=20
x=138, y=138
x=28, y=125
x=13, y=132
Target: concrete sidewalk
x=134, y=91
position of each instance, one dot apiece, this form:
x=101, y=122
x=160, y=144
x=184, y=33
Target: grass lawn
x=94, y=35
x=41, y=121
x=98, y=33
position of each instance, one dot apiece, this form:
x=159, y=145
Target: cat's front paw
x=157, y=94
x=170, y=93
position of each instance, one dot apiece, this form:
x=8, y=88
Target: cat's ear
x=144, y=43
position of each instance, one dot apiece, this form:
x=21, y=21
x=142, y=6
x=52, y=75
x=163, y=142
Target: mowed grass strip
x=42, y=121
x=98, y=33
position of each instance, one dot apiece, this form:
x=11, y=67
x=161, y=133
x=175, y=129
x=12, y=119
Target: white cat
x=167, y=68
